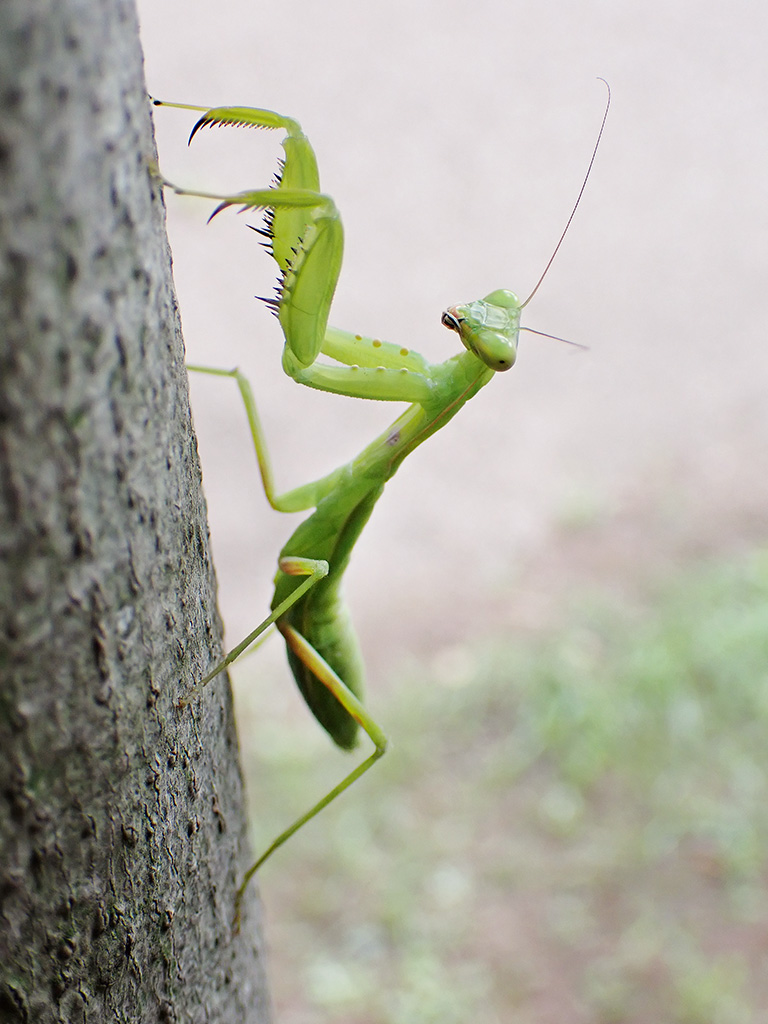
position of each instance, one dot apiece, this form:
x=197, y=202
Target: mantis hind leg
x=300, y=498
x=313, y=569
x=323, y=672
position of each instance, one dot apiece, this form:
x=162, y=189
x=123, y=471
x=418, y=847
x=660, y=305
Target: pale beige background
x=454, y=137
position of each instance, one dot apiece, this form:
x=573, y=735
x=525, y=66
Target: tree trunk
x=121, y=817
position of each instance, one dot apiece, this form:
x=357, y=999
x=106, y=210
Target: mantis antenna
x=575, y=208
x=556, y=337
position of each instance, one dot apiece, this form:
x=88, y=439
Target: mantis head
x=488, y=327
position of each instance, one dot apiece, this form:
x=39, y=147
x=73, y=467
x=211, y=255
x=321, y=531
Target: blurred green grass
x=571, y=825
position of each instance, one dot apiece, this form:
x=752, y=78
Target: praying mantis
x=304, y=236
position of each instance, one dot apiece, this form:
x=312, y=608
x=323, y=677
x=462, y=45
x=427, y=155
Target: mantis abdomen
x=321, y=616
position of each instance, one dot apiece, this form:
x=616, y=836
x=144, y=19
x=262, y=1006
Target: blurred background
x=562, y=597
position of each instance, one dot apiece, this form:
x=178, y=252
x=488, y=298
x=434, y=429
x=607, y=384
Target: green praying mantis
x=304, y=235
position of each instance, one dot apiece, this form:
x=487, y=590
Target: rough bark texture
x=121, y=817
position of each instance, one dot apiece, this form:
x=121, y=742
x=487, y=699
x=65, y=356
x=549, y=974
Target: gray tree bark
x=122, y=830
